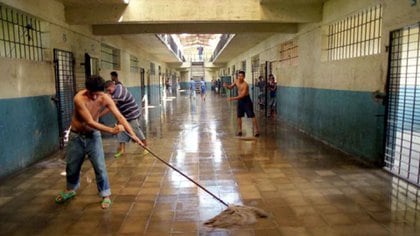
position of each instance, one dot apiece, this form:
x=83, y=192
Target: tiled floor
x=307, y=187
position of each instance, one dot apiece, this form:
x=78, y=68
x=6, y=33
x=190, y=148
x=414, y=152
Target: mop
x=232, y=215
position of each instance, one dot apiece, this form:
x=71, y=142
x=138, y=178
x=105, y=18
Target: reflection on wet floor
x=307, y=187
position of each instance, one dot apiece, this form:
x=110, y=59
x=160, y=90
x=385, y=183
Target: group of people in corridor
x=92, y=103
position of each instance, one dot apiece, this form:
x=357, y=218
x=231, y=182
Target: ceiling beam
x=194, y=10
x=90, y=2
x=194, y=28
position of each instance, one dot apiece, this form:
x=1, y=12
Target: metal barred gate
x=402, y=147
x=65, y=86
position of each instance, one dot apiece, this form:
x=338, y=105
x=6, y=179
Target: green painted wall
x=351, y=121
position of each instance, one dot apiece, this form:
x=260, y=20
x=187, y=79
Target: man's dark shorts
x=245, y=106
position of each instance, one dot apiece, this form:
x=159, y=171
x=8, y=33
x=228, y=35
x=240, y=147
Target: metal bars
x=357, y=35
x=152, y=68
x=243, y=65
x=289, y=52
x=402, y=147
x=134, y=67
x=110, y=58
x=20, y=35
x=257, y=85
x=404, y=200
x=65, y=85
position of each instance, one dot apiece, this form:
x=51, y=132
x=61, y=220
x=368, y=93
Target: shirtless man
x=244, y=103
x=85, y=139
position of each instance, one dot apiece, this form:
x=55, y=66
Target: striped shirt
x=125, y=102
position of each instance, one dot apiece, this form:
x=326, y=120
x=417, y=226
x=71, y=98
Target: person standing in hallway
x=244, y=103
x=129, y=109
x=85, y=139
x=261, y=91
x=192, y=88
x=272, y=88
x=203, y=89
x=168, y=87
x=114, y=77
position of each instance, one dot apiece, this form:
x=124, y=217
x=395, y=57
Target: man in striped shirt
x=129, y=109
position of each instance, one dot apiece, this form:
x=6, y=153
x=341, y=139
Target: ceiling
x=294, y=1
x=252, y=21
x=90, y=2
x=153, y=46
x=188, y=40
x=239, y=44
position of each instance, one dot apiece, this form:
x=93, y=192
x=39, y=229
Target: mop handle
x=180, y=172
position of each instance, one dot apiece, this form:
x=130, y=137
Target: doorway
x=65, y=87
x=402, y=141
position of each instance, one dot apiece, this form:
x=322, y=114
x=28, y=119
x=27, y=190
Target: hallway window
x=20, y=35
x=289, y=52
x=357, y=35
x=110, y=57
x=243, y=64
x=152, y=68
x=134, y=64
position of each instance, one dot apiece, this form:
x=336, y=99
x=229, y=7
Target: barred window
x=152, y=68
x=289, y=52
x=110, y=57
x=357, y=35
x=134, y=67
x=243, y=65
x=20, y=35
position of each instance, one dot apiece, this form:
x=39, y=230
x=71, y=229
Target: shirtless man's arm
x=105, y=110
x=229, y=86
x=87, y=118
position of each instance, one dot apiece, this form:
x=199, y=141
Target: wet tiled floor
x=307, y=187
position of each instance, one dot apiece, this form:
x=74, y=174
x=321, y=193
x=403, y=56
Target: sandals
x=255, y=135
x=106, y=203
x=118, y=155
x=64, y=196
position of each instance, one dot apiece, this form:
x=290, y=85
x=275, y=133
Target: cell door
x=65, y=86
x=402, y=147
x=142, y=84
x=256, y=83
x=265, y=70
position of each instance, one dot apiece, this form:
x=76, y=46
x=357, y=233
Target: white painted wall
x=357, y=74
x=24, y=78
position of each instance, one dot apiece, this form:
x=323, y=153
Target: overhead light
x=126, y=1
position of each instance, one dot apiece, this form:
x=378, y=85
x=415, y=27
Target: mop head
x=236, y=215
